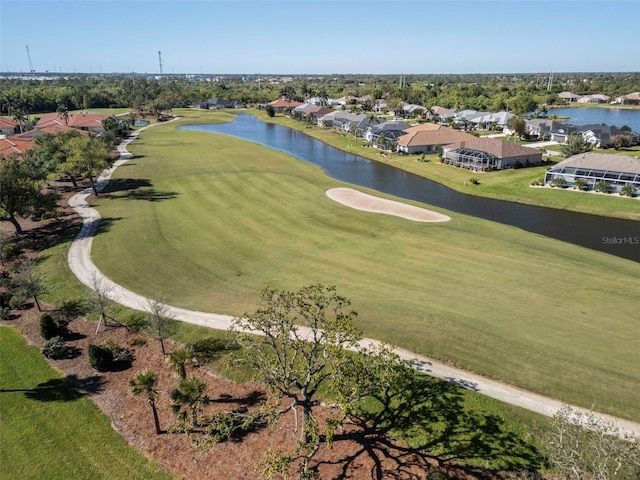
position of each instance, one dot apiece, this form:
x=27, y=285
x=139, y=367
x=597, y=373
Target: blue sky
x=321, y=36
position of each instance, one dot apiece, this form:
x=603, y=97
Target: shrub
x=118, y=354
x=581, y=184
x=55, y=348
x=628, y=191
x=603, y=187
x=474, y=180
x=138, y=342
x=49, y=327
x=558, y=182
x=10, y=250
x=100, y=358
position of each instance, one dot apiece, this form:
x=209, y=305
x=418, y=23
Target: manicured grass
x=215, y=219
x=49, y=430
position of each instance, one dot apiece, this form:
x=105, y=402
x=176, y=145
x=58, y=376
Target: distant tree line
x=489, y=92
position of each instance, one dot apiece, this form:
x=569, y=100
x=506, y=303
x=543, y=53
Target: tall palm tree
x=145, y=382
x=190, y=393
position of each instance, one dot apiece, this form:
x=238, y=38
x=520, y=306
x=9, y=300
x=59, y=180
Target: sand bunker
x=362, y=201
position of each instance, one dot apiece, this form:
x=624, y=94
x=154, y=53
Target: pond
x=597, y=116
x=610, y=235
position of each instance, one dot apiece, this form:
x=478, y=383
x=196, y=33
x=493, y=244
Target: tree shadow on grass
x=433, y=424
x=210, y=349
x=65, y=389
x=136, y=189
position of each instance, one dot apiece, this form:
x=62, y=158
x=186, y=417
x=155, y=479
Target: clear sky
x=321, y=36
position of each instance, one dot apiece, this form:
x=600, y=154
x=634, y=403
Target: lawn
x=49, y=430
x=208, y=220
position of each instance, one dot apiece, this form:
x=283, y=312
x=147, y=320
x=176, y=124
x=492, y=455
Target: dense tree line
x=516, y=92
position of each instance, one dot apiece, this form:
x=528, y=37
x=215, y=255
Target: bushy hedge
x=49, y=327
x=55, y=348
x=100, y=358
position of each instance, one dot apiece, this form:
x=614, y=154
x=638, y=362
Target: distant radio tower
x=160, y=61
x=31, y=70
x=550, y=83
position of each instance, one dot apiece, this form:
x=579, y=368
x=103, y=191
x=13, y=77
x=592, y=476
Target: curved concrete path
x=79, y=258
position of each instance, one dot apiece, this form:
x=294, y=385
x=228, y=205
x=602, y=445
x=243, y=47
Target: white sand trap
x=362, y=201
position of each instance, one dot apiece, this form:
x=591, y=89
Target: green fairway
x=49, y=430
x=208, y=220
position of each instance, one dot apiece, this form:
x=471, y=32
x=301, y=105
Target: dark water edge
x=609, y=235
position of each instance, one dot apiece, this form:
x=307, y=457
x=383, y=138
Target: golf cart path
x=82, y=266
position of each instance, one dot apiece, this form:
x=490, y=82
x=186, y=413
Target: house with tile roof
x=14, y=146
x=429, y=138
x=485, y=154
x=89, y=122
x=593, y=168
x=598, y=98
x=282, y=105
x=630, y=99
x=568, y=96
x=8, y=126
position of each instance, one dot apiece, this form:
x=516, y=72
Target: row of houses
x=629, y=99
x=51, y=123
x=599, y=135
x=457, y=147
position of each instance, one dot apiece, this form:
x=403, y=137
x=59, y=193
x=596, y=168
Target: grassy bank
x=209, y=220
x=510, y=185
x=50, y=430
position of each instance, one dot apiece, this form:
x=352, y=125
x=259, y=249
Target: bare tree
x=160, y=322
x=581, y=444
x=103, y=290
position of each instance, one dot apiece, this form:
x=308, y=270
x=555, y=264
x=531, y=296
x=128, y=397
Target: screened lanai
x=472, y=159
x=617, y=170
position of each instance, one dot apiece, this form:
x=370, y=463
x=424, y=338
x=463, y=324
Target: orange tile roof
x=284, y=103
x=7, y=123
x=426, y=134
x=11, y=145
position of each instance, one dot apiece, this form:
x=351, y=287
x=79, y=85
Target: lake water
x=610, y=235
x=609, y=116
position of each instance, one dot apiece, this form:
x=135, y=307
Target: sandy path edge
x=369, y=203
x=82, y=266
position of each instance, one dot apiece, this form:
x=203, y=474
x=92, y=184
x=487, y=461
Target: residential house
x=283, y=105
x=601, y=135
x=410, y=110
x=487, y=121
x=429, y=138
x=89, y=122
x=630, y=99
x=13, y=146
x=548, y=129
x=8, y=126
x=490, y=154
x=594, y=99
x=216, y=103
x=441, y=114
x=593, y=168
x=379, y=105
x=391, y=129
x=569, y=97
